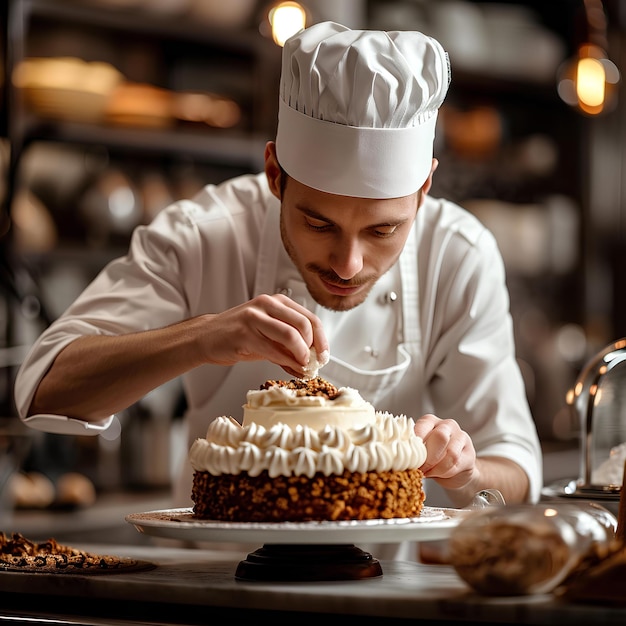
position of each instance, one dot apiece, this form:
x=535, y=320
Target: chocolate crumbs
x=312, y=387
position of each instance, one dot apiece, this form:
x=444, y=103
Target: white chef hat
x=358, y=109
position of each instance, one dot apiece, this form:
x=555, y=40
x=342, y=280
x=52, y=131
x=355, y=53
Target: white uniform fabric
x=434, y=335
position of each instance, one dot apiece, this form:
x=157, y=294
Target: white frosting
x=316, y=362
x=387, y=443
x=281, y=405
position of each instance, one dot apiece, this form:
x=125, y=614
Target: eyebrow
x=323, y=218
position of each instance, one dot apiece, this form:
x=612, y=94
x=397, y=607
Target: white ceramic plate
x=432, y=525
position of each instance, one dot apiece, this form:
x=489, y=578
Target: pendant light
x=284, y=19
x=588, y=81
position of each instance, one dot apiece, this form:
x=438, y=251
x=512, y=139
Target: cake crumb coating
x=349, y=496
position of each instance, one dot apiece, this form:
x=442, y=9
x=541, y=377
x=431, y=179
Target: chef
x=336, y=247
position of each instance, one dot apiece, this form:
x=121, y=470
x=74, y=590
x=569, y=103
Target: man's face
x=343, y=245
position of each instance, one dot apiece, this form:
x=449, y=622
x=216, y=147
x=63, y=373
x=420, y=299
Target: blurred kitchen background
x=112, y=109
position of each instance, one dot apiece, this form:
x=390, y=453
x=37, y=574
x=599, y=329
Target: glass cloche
x=599, y=400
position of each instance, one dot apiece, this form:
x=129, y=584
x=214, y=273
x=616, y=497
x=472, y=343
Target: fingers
x=273, y=328
x=293, y=327
x=451, y=457
x=425, y=424
x=294, y=317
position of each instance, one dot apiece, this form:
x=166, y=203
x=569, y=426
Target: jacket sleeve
x=145, y=289
x=471, y=367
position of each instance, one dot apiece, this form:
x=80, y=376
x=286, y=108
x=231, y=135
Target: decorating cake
x=306, y=451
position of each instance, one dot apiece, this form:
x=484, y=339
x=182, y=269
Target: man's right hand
x=272, y=328
x=98, y=375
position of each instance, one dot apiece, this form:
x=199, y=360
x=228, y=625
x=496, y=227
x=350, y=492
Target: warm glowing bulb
x=286, y=18
x=590, y=82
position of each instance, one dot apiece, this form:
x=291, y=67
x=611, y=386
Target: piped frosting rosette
x=389, y=443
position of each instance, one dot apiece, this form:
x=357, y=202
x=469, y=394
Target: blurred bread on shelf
x=140, y=105
x=35, y=490
x=74, y=490
x=67, y=88
x=31, y=490
x=206, y=108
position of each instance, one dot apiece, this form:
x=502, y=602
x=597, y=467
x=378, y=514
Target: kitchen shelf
x=143, y=22
x=128, y=26
x=175, y=40
x=174, y=52
x=224, y=147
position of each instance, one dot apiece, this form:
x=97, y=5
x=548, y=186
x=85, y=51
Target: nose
x=346, y=259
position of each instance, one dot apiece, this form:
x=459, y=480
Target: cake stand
x=301, y=551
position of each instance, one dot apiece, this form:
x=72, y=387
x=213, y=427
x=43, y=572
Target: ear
x=429, y=181
x=272, y=169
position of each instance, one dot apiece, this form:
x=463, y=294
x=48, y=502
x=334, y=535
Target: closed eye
x=382, y=230
x=385, y=230
x=317, y=224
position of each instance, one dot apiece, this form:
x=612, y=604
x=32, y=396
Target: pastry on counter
x=599, y=577
x=527, y=549
x=19, y=554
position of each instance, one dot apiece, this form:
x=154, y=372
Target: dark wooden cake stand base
x=284, y=563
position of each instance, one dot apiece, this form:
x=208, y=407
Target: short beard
x=331, y=303
x=336, y=303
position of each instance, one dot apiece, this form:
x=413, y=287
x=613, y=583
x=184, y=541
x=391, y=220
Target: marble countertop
x=190, y=586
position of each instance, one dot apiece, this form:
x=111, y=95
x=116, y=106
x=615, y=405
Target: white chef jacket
x=434, y=335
